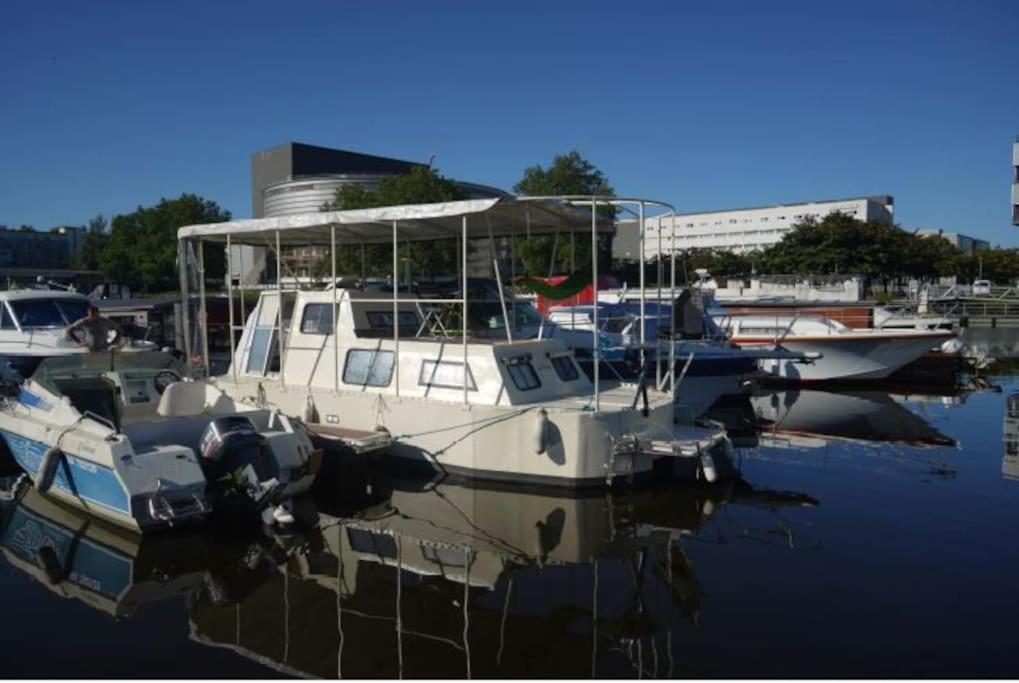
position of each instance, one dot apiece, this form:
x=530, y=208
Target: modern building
x=963, y=243
x=1015, y=182
x=27, y=248
x=299, y=178
x=741, y=230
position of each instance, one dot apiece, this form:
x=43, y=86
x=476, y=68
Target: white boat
x=457, y=402
x=124, y=437
x=32, y=328
x=845, y=353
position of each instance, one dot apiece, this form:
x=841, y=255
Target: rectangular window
x=565, y=368
x=522, y=372
x=317, y=319
x=368, y=368
x=446, y=375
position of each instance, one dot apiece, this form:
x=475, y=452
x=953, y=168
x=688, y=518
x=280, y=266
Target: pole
x=396, y=309
x=463, y=300
x=230, y=299
x=672, y=297
x=182, y=262
x=594, y=293
x=498, y=282
x=658, y=316
x=640, y=226
x=279, y=308
x=203, y=313
x=335, y=316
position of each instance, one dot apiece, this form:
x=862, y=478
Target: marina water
x=871, y=533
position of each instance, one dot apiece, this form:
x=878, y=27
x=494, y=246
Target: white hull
x=582, y=448
x=849, y=357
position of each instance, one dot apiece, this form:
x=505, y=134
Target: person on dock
x=97, y=331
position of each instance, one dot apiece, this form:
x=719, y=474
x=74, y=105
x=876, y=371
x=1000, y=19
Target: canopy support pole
x=279, y=310
x=230, y=303
x=658, y=317
x=185, y=301
x=203, y=314
x=672, y=298
x=643, y=338
x=596, y=352
x=336, y=312
x=498, y=282
x=396, y=309
x=463, y=266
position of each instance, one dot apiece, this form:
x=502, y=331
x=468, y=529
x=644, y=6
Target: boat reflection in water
x=83, y=558
x=1010, y=460
x=812, y=419
x=452, y=581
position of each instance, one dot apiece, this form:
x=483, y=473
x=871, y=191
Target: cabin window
x=522, y=372
x=565, y=368
x=770, y=331
x=41, y=314
x=368, y=368
x=264, y=349
x=317, y=319
x=446, y=375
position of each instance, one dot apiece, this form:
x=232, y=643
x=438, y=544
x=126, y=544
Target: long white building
x=741, y=230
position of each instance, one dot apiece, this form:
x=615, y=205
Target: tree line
x=139, y=248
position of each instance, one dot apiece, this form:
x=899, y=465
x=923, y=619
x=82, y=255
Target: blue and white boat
x=126, y=438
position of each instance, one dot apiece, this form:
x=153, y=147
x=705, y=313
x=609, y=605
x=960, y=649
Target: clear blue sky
x=108, y=105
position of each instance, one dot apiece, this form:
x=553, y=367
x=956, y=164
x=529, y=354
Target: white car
x=981, y=288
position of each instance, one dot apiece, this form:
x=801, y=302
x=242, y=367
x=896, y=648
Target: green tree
x=93, y=245
x=422, y=185
x=142, y=246
x=568, y=174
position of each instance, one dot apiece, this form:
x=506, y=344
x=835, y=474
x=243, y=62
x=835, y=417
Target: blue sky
x=105, y=106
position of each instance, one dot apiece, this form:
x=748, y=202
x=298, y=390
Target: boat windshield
x=94, y=364
x=35, y=314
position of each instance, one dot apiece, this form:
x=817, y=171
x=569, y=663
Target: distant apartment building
x=298, y=178
x=1015, y=182
x=27, y=248
x=963, y=243
x=741, y=230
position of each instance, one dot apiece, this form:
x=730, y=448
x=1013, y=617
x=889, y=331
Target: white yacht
x=845, y=353
x=376, y=369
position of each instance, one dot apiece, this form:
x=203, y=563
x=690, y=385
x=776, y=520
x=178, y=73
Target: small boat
x=126, y=438
x=845, y=353
x=33, y=328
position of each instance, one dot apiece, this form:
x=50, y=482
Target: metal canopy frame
x=503, y=217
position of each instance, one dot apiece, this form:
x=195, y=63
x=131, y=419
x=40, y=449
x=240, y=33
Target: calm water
x=871, y=534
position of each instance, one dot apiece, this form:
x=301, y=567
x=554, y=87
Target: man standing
x=97, y=331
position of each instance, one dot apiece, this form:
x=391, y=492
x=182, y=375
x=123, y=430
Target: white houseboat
x=385, y=369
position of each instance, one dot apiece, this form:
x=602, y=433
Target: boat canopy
x=499, y=217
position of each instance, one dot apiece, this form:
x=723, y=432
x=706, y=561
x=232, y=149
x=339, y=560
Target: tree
x=422, y=185
x=568, y=174
x=92, y=246
x=142, y=246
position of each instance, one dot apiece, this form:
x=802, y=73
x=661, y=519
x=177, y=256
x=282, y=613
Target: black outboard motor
x=230, y=444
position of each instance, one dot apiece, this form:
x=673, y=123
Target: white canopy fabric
x=415, y=222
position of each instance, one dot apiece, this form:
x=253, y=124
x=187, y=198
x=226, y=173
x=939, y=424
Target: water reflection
x=431, y=579
x=1010, y=459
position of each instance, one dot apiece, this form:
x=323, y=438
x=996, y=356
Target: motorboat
x=126, y=438
x=411, y=377
x=708, y=368
x=32, y=328
x=845, y=353
x=77, y=557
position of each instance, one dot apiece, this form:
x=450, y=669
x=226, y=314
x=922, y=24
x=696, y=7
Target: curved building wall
x=307, y=195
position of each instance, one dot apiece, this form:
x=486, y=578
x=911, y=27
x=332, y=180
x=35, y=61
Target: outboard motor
x=230, y=444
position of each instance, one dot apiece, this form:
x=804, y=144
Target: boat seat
x=183, y=399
